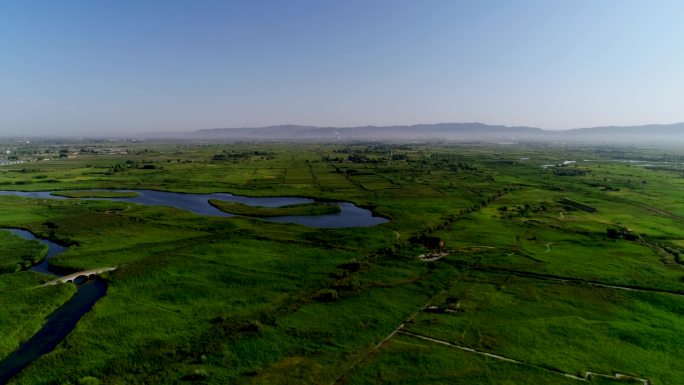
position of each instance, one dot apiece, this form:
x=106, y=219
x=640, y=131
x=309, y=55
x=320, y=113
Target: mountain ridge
x=446, y=131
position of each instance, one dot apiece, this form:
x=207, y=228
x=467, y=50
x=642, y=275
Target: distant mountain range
x=651, y=133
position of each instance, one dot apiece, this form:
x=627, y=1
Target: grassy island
x=95, y=194
x=17, y=253
x=313, y=208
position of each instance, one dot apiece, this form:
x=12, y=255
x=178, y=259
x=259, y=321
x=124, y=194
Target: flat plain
x=542, y=264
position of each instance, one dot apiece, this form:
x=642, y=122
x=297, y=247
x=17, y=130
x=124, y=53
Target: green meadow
x=547, y=271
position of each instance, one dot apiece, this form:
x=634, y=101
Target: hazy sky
x=93, y=67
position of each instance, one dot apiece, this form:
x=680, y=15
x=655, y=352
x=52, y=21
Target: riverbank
x=312, y=208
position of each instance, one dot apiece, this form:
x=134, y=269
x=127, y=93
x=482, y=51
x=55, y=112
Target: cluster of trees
x=352, y=158
x=369, y=154
x=242, y=155
x=621, y=233
x=441, y=161
x=523, y=210
x=130, y=164
x=565, y=171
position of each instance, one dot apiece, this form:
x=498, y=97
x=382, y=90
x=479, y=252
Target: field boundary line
x=562, y=279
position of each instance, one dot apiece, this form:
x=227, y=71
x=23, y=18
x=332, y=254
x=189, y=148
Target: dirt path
x=400, y=330
x=548, y=247
x=356, y=362
x=561, y=215
x=587, y=375
x=617, y=376
x=491, y=355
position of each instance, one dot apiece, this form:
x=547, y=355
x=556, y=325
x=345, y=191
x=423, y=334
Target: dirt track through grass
x=586, y=377
x=490, y=355
x=356, y=362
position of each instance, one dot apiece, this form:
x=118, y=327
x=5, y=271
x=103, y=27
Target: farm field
x=541, y=264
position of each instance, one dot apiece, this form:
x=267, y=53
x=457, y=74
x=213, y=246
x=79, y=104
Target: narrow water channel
x=60, y=323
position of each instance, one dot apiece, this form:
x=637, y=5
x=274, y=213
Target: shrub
x=88, y=380
x=328, y=295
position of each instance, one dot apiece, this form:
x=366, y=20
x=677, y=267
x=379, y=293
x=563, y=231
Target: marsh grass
x=313, y=208
x=237, y=300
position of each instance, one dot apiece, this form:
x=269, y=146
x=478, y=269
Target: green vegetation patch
x=95, y=194
x=313, y=208
x=17, y=253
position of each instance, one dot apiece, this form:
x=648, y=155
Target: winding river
x=60, y=323
x=350, y=215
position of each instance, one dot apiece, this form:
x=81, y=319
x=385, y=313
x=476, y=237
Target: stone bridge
x=85, y=274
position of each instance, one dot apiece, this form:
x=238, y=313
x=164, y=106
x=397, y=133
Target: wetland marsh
x=575, y=268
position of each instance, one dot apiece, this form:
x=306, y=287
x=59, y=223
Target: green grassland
x=313, y=208
x=563, y=269
x=96, y=194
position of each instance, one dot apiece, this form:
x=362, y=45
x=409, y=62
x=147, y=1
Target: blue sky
x=97, y=67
